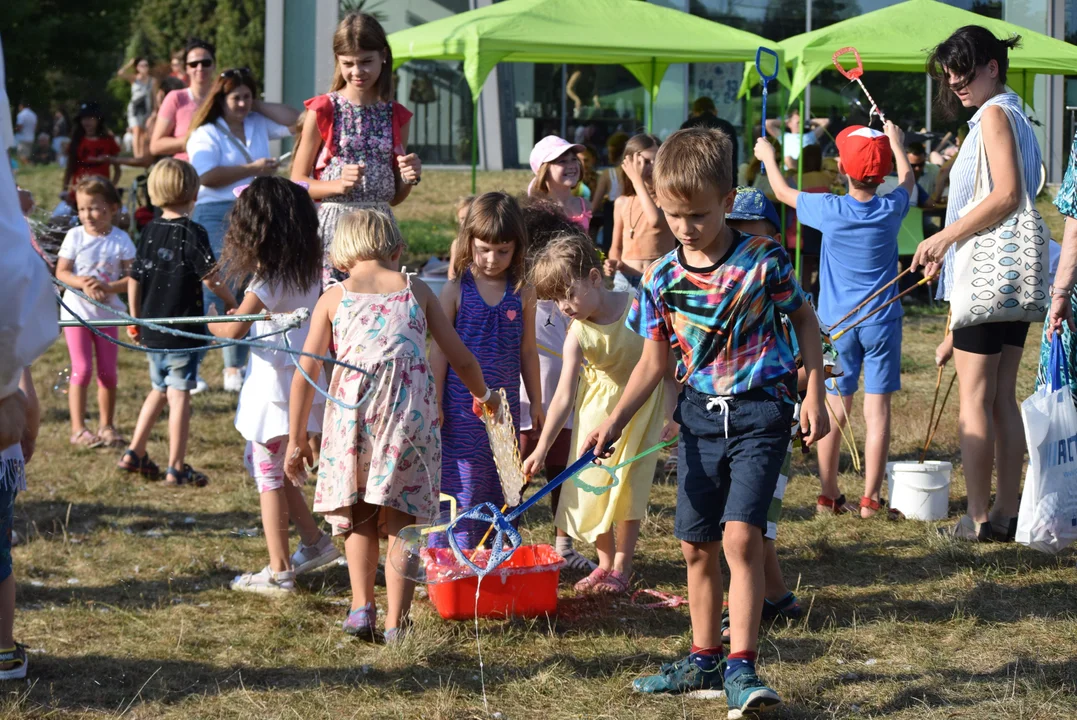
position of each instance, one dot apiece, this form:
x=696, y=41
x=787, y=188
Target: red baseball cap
x=865, y=153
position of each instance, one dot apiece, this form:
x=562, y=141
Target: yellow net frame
x=506, y=450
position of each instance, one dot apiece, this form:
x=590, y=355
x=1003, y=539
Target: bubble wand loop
x=759, y=53
x=855, y=73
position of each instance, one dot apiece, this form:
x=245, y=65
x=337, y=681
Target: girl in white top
x=94, y=258
x=228, y=144
x=273, y=237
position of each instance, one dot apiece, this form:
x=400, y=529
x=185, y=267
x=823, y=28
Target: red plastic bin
x=525, y=585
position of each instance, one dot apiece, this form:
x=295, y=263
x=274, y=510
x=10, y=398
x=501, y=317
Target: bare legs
x=361, y=549
x=615, y=552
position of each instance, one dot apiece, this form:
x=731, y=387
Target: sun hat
x=751, y=204
x=550, y=148
x=865, y=153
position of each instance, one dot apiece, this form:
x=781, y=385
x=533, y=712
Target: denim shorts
x=7, y=524
x=728, y=461
x=178, y=371
x=876, y=348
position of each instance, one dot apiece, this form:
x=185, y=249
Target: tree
x=59, y=53
x=241, y=34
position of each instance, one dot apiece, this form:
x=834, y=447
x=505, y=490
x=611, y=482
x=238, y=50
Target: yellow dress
x=612, y=352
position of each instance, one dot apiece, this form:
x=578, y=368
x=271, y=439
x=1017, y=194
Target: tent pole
x=800, y=178
x=650, y=95
x=474, y=143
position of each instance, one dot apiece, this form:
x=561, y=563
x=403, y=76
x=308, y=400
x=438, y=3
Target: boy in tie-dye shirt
x=716, y=302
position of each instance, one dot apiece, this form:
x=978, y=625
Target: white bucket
x=920, y=491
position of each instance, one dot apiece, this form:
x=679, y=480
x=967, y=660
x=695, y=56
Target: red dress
x=93, y=147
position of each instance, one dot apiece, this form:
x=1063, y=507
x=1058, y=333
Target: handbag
x=1000, y=272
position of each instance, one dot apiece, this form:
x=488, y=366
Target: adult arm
x=161, y=140
x=1065, y=277
x=1001, y=202
x=127, y=71
x=277, y=112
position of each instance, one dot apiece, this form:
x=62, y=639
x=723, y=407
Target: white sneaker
x=200, y=386
x=312, y=557
x=233, y=381
x=266, y=582
x=576, y=561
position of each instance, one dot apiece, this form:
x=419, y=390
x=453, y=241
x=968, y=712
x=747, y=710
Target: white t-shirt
x=26, y=121
x=551, y=327
x=213, y=145
x=263, y=403
x=793, y=142
x=100, y=257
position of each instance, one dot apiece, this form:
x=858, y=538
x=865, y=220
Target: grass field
x=123, y=593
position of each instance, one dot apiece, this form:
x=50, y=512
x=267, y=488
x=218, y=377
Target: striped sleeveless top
x=963, y=173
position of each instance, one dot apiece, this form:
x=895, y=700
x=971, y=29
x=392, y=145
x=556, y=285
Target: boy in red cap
x=859, y=257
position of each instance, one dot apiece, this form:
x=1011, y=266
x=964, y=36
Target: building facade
x=522, y=102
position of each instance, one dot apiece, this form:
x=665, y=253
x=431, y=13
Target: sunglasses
x=240, y=73
x=206, y=63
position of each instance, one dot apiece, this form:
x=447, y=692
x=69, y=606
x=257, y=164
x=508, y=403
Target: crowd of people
x=694, y=324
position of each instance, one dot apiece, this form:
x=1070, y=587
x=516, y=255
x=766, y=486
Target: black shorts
x=989, y=338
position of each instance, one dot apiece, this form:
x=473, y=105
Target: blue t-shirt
x=859, y=253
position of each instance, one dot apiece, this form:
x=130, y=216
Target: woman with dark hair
x=970, y=69
x=174, y=118
x=228, y=144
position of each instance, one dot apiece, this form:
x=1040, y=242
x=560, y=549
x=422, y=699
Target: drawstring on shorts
x=722, y=403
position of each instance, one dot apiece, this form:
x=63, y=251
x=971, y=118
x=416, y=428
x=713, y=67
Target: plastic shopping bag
x=1047, y=520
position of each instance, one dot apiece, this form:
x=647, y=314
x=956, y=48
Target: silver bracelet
x=1060, y=292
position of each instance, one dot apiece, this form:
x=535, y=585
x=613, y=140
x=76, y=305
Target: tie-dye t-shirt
x=723, y=321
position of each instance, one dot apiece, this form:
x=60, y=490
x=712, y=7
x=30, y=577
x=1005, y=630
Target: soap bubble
x=63, y=382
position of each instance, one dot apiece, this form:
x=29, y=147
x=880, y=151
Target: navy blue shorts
x=723, y=477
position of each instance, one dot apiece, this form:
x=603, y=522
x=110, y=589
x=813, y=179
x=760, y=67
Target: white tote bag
x=1047, y=520
x=1000, y=273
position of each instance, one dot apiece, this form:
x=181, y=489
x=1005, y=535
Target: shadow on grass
x=51, y=517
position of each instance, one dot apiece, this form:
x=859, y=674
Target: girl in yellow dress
x=569, y=271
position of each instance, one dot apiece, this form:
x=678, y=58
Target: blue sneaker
x=683, y=676
x=747, y=696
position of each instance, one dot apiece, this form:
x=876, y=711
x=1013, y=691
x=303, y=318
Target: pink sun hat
x=550, y=148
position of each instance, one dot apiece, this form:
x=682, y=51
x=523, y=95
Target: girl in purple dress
x=495, y=317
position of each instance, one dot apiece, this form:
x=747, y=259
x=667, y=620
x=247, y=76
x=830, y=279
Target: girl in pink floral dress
x=352, y=150
x=381, y=438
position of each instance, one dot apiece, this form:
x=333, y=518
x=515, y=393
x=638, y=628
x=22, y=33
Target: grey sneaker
x=312, y=557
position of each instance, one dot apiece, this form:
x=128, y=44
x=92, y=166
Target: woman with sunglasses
x=228, y=144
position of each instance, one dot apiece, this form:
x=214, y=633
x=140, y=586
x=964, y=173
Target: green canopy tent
x=899, y=38
x=645, y=38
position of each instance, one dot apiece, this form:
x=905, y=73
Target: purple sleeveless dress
x=494, y=335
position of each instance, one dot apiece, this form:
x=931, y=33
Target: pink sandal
x=613, y=584
x=588, y=583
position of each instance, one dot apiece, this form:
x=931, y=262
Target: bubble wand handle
x=855, y=73
x=759, y=53
x=572, y=470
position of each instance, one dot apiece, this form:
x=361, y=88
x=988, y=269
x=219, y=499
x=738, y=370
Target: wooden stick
x=882, y=307
x=931, y=416
x=939, y=419
x=879, y=292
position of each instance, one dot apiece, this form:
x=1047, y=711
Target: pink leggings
x=81, y=346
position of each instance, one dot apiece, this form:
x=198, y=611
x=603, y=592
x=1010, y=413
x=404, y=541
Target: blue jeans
x=213, y=216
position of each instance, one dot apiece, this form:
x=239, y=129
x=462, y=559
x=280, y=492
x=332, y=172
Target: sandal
x=16, y=658
x=85, y=438
x=187, y=476
x=111, y=436
x=613, y=584
x=837, y=506
x=875, y=506
x=588, y=583
x=132, y=463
